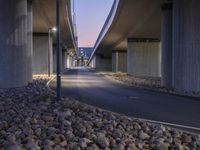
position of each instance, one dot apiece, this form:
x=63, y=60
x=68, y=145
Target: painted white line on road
x=170, y=124
x=133, y=97
x=50, y=81
x=47, y=84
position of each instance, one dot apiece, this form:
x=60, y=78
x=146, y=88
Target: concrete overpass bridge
x=159, y=38
x=27, y=42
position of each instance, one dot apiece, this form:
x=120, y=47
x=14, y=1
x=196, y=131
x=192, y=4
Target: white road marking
x=50, y=81
x=133, y=97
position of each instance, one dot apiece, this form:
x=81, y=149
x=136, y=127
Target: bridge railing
x=105, y=27
x=73, y=28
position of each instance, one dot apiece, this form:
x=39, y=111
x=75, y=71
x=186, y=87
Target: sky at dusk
x=90, y=18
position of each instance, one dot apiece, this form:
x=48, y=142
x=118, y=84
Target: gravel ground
x=31, y=118
x=153, y=83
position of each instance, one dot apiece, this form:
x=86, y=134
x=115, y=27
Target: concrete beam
x=119, y=61
x=15, y=54
x=186, y=45
x=144, y=57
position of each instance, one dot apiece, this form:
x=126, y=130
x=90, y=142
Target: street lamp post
x=58, y=49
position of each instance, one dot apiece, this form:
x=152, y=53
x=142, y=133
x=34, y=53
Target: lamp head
x=54, y=29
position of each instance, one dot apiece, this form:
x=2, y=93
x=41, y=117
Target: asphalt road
x=89, y=87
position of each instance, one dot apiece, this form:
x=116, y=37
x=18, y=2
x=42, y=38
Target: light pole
x=58, y=49
x=50, y=30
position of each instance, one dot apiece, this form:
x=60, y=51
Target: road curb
x=47, y=84
x=183, y=128
x=152, y=90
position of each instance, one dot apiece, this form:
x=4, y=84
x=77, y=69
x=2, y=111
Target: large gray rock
x=102, y=141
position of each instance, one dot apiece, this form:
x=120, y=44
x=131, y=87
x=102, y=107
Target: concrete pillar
x=72, y=61
x=144, y=58
x=186, y=45
x=29, y=39
x=54, y=58
x=103, y=63
x=14, y=53
x=119, y=61
x=68, y=61
x=40, y=53
x=166, y=38
x=93, y=62
x=64, y=60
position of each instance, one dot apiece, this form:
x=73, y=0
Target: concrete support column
x=186, y=45
x=40, y=53
x=68, y=61
x=166, y=38
x=64, y=60
x=14, y=53
x=29, y=39
x=72, y=61
x=93, y=62
x=144, y=57
x=54, y=58
x=103, y=63
x=119, y=61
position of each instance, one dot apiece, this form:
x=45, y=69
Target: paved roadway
x=87, y=86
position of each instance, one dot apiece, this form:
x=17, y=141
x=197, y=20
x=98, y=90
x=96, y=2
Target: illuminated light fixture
x=54, y=29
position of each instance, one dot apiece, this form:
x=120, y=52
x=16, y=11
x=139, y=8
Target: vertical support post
x=167, y=36
x=49, y=45
x=186, y=43
x=117, y=61
x=15, y=47
x=58, y=50
x=29, y=65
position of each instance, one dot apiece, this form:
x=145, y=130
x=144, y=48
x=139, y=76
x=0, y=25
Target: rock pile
x=31, y=118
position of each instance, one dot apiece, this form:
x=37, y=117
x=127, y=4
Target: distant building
x=84, y=54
